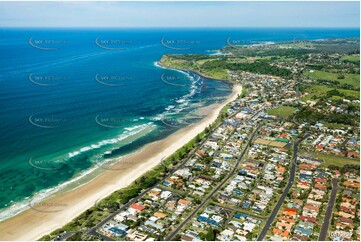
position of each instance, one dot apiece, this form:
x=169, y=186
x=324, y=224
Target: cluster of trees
x=261, y=51
x=340, y=69
x=285, y=52
x=336, y=84
x=336, y=92
x=346, y=46
x=312, y=117
x=318, y=67
x=188, y=57
x=211, y=234
x=342, y=46
x=261, y=67
x=76, y=237
x=346, y=168
x=328, y=82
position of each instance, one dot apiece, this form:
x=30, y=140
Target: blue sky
x=179, y=14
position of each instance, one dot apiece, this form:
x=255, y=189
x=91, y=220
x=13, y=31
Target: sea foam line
x=129, y=131
x=19, y=207
x=182, y=101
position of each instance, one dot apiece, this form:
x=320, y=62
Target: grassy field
x=335, y=160
x=187, y=65
x=180, y=64
x=215, y=73
x=350, y=79
x=201, y=62
x=351, y=58
x=285, y=59
x=282, y=111
x=317, y=91
x=335, y=126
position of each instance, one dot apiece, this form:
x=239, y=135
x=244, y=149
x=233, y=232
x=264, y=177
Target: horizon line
x=188, y=27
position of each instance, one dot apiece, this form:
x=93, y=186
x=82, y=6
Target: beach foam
x=18, y=207
x=182, y=102
x=129, y=131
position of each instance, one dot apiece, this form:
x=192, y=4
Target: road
x=328, y=214
x=241, y=211
x=64, y=236
x=210, y=195
x=285, y=192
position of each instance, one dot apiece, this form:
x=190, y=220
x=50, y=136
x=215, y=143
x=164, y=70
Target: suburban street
x=328, y=214
x=180, y=226
x=285, y=192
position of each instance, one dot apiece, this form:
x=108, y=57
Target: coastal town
x=280, y=163
x=182, y=120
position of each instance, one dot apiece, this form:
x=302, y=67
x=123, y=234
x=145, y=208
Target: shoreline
x=32, y=224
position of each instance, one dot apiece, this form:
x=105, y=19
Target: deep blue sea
x=74, y=99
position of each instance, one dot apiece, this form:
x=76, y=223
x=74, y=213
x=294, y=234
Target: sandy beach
x=32, y=224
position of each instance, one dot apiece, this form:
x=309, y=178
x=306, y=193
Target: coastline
x=32, y=224
x=195, y=72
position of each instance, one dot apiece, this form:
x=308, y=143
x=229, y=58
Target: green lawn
x=286, y=59
x=317, y=91
x=215, y=73
x=351, y=79
x=298, y=45
x=201, y=62
x=335, y=160
x=180, y=64
x=282, y=111
x=335, y=125
x=351, y=58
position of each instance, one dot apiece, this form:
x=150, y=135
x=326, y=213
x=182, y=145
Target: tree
x=198, y=138
x=76, y=237
x=210, y=236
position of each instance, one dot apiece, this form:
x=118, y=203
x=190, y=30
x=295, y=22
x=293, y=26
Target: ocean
x=73, y=100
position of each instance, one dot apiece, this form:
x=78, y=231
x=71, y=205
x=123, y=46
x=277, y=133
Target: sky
x=180, y=14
